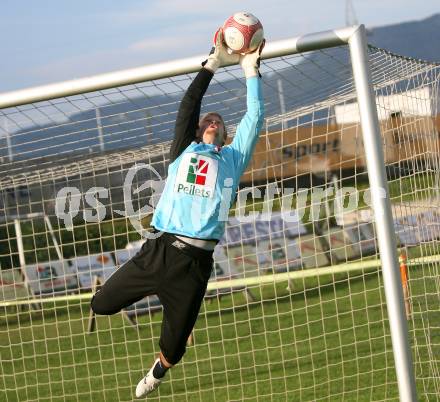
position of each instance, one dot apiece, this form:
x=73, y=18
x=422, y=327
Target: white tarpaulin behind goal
x=295, y=308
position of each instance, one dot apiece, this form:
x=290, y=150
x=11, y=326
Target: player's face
x=213, y=130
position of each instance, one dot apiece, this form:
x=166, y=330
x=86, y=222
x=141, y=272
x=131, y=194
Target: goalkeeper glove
x=250, y=62
x=219, y=55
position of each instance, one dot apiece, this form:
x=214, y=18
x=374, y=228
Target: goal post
x=383, y=215
x=305, y=300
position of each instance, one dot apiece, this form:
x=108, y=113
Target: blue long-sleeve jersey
x=203, y=179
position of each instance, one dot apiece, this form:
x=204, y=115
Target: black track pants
x=177, y=273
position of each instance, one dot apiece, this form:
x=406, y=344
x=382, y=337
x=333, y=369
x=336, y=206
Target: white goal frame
x=355, y=38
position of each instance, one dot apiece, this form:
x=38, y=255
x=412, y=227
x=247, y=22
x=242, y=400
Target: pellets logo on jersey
x=197, y=171
x=196, y=175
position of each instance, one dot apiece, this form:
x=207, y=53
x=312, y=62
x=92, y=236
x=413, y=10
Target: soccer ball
x=243, y=33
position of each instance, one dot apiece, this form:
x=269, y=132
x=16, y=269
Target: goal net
x=295, y=308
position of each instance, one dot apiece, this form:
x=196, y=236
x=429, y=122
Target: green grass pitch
x=325, y=339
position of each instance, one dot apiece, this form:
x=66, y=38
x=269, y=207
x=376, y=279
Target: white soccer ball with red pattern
x=243, y=33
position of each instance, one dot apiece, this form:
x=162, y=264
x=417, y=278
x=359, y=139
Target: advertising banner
x=88, y=266
x=50, y=277
x=340, y=245
x=263, y=227
x=415, y=229
x=362, y=238
x=311, y=252
x=266, y=244
x=122, y=256
x=12, y=286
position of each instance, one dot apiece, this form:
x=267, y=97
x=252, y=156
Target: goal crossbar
x=131, y=76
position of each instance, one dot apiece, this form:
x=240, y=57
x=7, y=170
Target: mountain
x=416, y=39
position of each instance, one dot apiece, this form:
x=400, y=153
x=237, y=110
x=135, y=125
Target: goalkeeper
x=191, y=213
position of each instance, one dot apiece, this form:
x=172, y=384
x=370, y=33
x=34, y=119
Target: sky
x=47, y=41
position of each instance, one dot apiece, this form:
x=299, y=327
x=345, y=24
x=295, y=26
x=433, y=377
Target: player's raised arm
x=250, y=126
x=189, y=111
